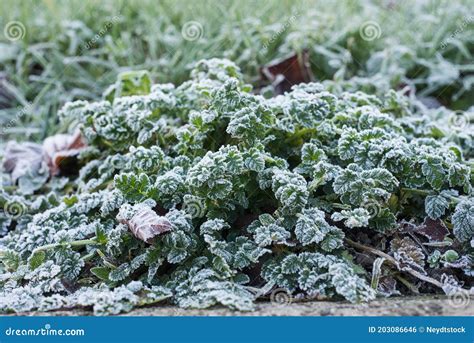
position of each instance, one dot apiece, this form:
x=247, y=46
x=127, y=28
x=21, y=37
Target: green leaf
x=69, y=201
x=10, y=259
x=450, y=256
x=120, y=273
x=290, y=189
x=384, y=220
x=347, y=145
x=101, y=236
x=36, y=259
x=271, y=234
x=254, y=160
x=434, y=172
x=463, y=220
x=435, y=206
x=358, y=217
x=133, y=83
x=133, y=187
x=311, y=227
x=101, y=272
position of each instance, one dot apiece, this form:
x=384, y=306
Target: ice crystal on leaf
x=463, y=220
x=201, y=193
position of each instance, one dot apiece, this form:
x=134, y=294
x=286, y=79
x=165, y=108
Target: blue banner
x=237, y=329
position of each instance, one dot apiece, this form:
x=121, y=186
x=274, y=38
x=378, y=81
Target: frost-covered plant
x=207, y=194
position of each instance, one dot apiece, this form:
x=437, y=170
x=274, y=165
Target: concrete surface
x=398, y=306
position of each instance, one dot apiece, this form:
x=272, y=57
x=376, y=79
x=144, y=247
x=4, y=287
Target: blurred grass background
x=74, y=49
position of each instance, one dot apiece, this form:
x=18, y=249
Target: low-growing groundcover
x=207, y=194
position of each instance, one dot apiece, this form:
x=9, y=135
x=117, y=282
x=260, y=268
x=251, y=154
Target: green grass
x=59, y=60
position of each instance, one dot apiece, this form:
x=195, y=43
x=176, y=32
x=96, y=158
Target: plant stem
x=341, y=206
x=427, y=192
x=104, y=259
x=417, y=191
x=79, y=243
x=89, y=256
x=394, y=262
x=10, y=188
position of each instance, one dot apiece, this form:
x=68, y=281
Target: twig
x=394, y=262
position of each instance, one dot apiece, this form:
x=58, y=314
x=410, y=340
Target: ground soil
x=399, y=306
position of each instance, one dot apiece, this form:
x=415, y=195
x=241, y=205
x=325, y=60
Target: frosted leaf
x=358, y=217
x=271, y=234
x=463, y=220
x=408, y=254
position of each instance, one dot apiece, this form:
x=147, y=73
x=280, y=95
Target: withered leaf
x=22, y=158
x=408, y=254
x=434, y=230
x=407, y=226
x=464, y=262
x=387, y=286
x=146, y=224
x=286, y=72
x=60, y=147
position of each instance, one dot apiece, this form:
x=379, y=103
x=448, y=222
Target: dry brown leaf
x=146, y=224
x=284, y=73
x=408, y=254
x=434, y=230
x=22, y=158
x=28, y=158
x=60, y=147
